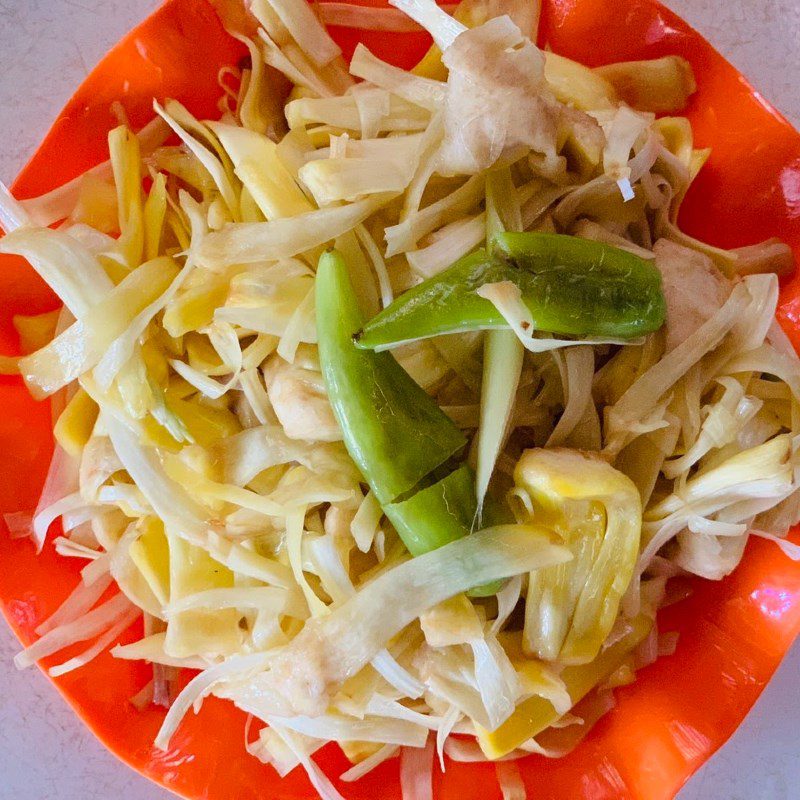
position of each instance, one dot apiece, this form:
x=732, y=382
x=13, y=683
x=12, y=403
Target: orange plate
x=732, y=634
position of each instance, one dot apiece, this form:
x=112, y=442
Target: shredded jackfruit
x=199, y=468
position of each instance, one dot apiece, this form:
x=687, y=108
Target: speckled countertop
x=46, y=48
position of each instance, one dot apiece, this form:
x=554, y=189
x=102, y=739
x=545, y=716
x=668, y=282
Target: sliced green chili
x=429, y=518
x=393, y=430
x=399, y=438
x=440, y=513
x=571, y=286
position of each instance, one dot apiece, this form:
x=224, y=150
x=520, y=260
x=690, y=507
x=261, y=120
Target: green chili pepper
x=393, y=430
x=399, y=438
x=572, y=286
x=440, y=513
x=427, y=519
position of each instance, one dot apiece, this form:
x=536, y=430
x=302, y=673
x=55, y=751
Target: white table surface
x=46, y=49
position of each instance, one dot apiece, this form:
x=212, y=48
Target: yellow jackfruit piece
x=570, y=608
x=76, y=423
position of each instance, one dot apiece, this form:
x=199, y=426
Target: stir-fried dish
x=396, y=403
